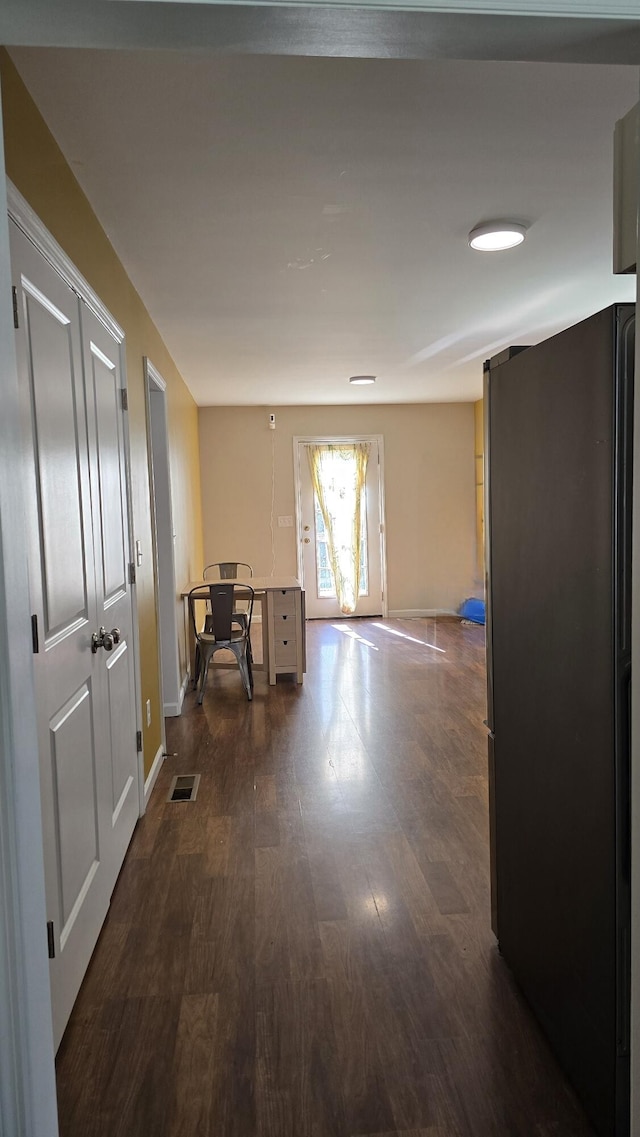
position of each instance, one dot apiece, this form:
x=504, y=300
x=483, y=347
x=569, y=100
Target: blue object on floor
x=472, y=609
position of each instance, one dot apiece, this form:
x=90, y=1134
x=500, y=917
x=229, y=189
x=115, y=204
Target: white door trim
x=163, y=536
x=306, y=439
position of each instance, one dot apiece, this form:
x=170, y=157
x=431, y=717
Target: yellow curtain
x=338, y=473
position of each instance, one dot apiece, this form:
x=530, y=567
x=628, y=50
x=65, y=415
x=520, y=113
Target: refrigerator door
x=509, y=353
x=623, y=483
x=558, y=782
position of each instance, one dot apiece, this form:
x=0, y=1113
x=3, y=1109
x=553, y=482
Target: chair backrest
x=227, y=570
x=221, y=601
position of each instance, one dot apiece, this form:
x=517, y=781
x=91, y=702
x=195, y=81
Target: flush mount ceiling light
x=496, y=235
x=358, y=380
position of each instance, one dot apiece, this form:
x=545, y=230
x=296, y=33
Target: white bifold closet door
x=75, y=470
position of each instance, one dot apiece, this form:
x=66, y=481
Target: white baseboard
x=172, y=710
x=416, y=613
x=152, y=775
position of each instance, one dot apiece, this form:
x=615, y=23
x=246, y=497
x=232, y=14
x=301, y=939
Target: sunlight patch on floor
x=354, y=635
x=404, y=636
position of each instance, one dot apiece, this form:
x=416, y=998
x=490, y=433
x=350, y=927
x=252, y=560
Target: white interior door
x=317, y=578
x=75, y=474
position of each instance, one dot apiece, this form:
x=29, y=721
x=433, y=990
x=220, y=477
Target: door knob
x=307, y=528
x=105, y=639
x=307, y=541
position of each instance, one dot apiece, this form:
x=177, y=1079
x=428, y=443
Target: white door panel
x=73, y=761
x=320, y=596
x=104, y=377
x=59, y=437
x=75, y=790
x=123, y=765
x=76, y=489
x=111, y=500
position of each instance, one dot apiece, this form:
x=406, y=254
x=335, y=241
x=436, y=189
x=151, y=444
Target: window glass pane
x=364, y=565
x=324, y=574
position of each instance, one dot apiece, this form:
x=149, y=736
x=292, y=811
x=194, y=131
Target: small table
x=282, y=611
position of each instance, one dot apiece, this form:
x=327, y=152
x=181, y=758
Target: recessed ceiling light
x=496, y=235
x=362, y=379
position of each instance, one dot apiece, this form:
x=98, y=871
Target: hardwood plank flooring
x=305, y=950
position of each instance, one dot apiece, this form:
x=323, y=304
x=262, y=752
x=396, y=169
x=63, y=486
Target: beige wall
x=429, y=489
x=38, y=170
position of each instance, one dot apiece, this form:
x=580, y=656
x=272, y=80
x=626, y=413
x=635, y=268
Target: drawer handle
x=285, y=642
x=284, y=617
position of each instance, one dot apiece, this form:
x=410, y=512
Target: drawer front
x=285, y=652
x=284, y=602
x=284, y=626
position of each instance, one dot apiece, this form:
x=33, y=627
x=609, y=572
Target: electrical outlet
x=285, y=522
x=148, y=712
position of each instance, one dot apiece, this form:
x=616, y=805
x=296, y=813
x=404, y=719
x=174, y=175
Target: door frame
x=307, y=439
x=163, y=537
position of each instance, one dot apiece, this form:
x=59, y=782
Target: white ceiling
x=289, y=222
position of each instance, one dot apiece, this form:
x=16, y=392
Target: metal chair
x=222, y=629
x=230, y=570
x=227, y=570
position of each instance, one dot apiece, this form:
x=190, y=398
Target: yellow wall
x=429, y=490
x=37, y=168
x=479, y=426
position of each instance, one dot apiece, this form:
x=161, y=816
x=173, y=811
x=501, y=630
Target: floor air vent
x=184, y=787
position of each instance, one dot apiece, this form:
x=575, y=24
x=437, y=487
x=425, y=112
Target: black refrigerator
x=558, y=469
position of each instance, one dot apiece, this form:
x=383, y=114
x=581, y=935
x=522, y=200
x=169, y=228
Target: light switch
x=138, y=553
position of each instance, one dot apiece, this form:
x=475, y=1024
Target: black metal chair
x=230, y=570
x=225, y=570
x=222, y=630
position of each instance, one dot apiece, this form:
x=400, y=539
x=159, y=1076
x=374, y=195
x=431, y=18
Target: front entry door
x=74, y=466
x=320, y=594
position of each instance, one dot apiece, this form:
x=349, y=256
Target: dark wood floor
x=305, y=950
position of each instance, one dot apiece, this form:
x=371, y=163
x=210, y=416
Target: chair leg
x=247, y=679
x=249, y=658
x=239, y=650
x=204, y=668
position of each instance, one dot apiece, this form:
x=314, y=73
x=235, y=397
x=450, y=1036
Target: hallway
x=305, y=951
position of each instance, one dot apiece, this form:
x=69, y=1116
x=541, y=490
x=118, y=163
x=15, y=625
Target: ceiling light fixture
x=494, y=236
x=358, y=380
